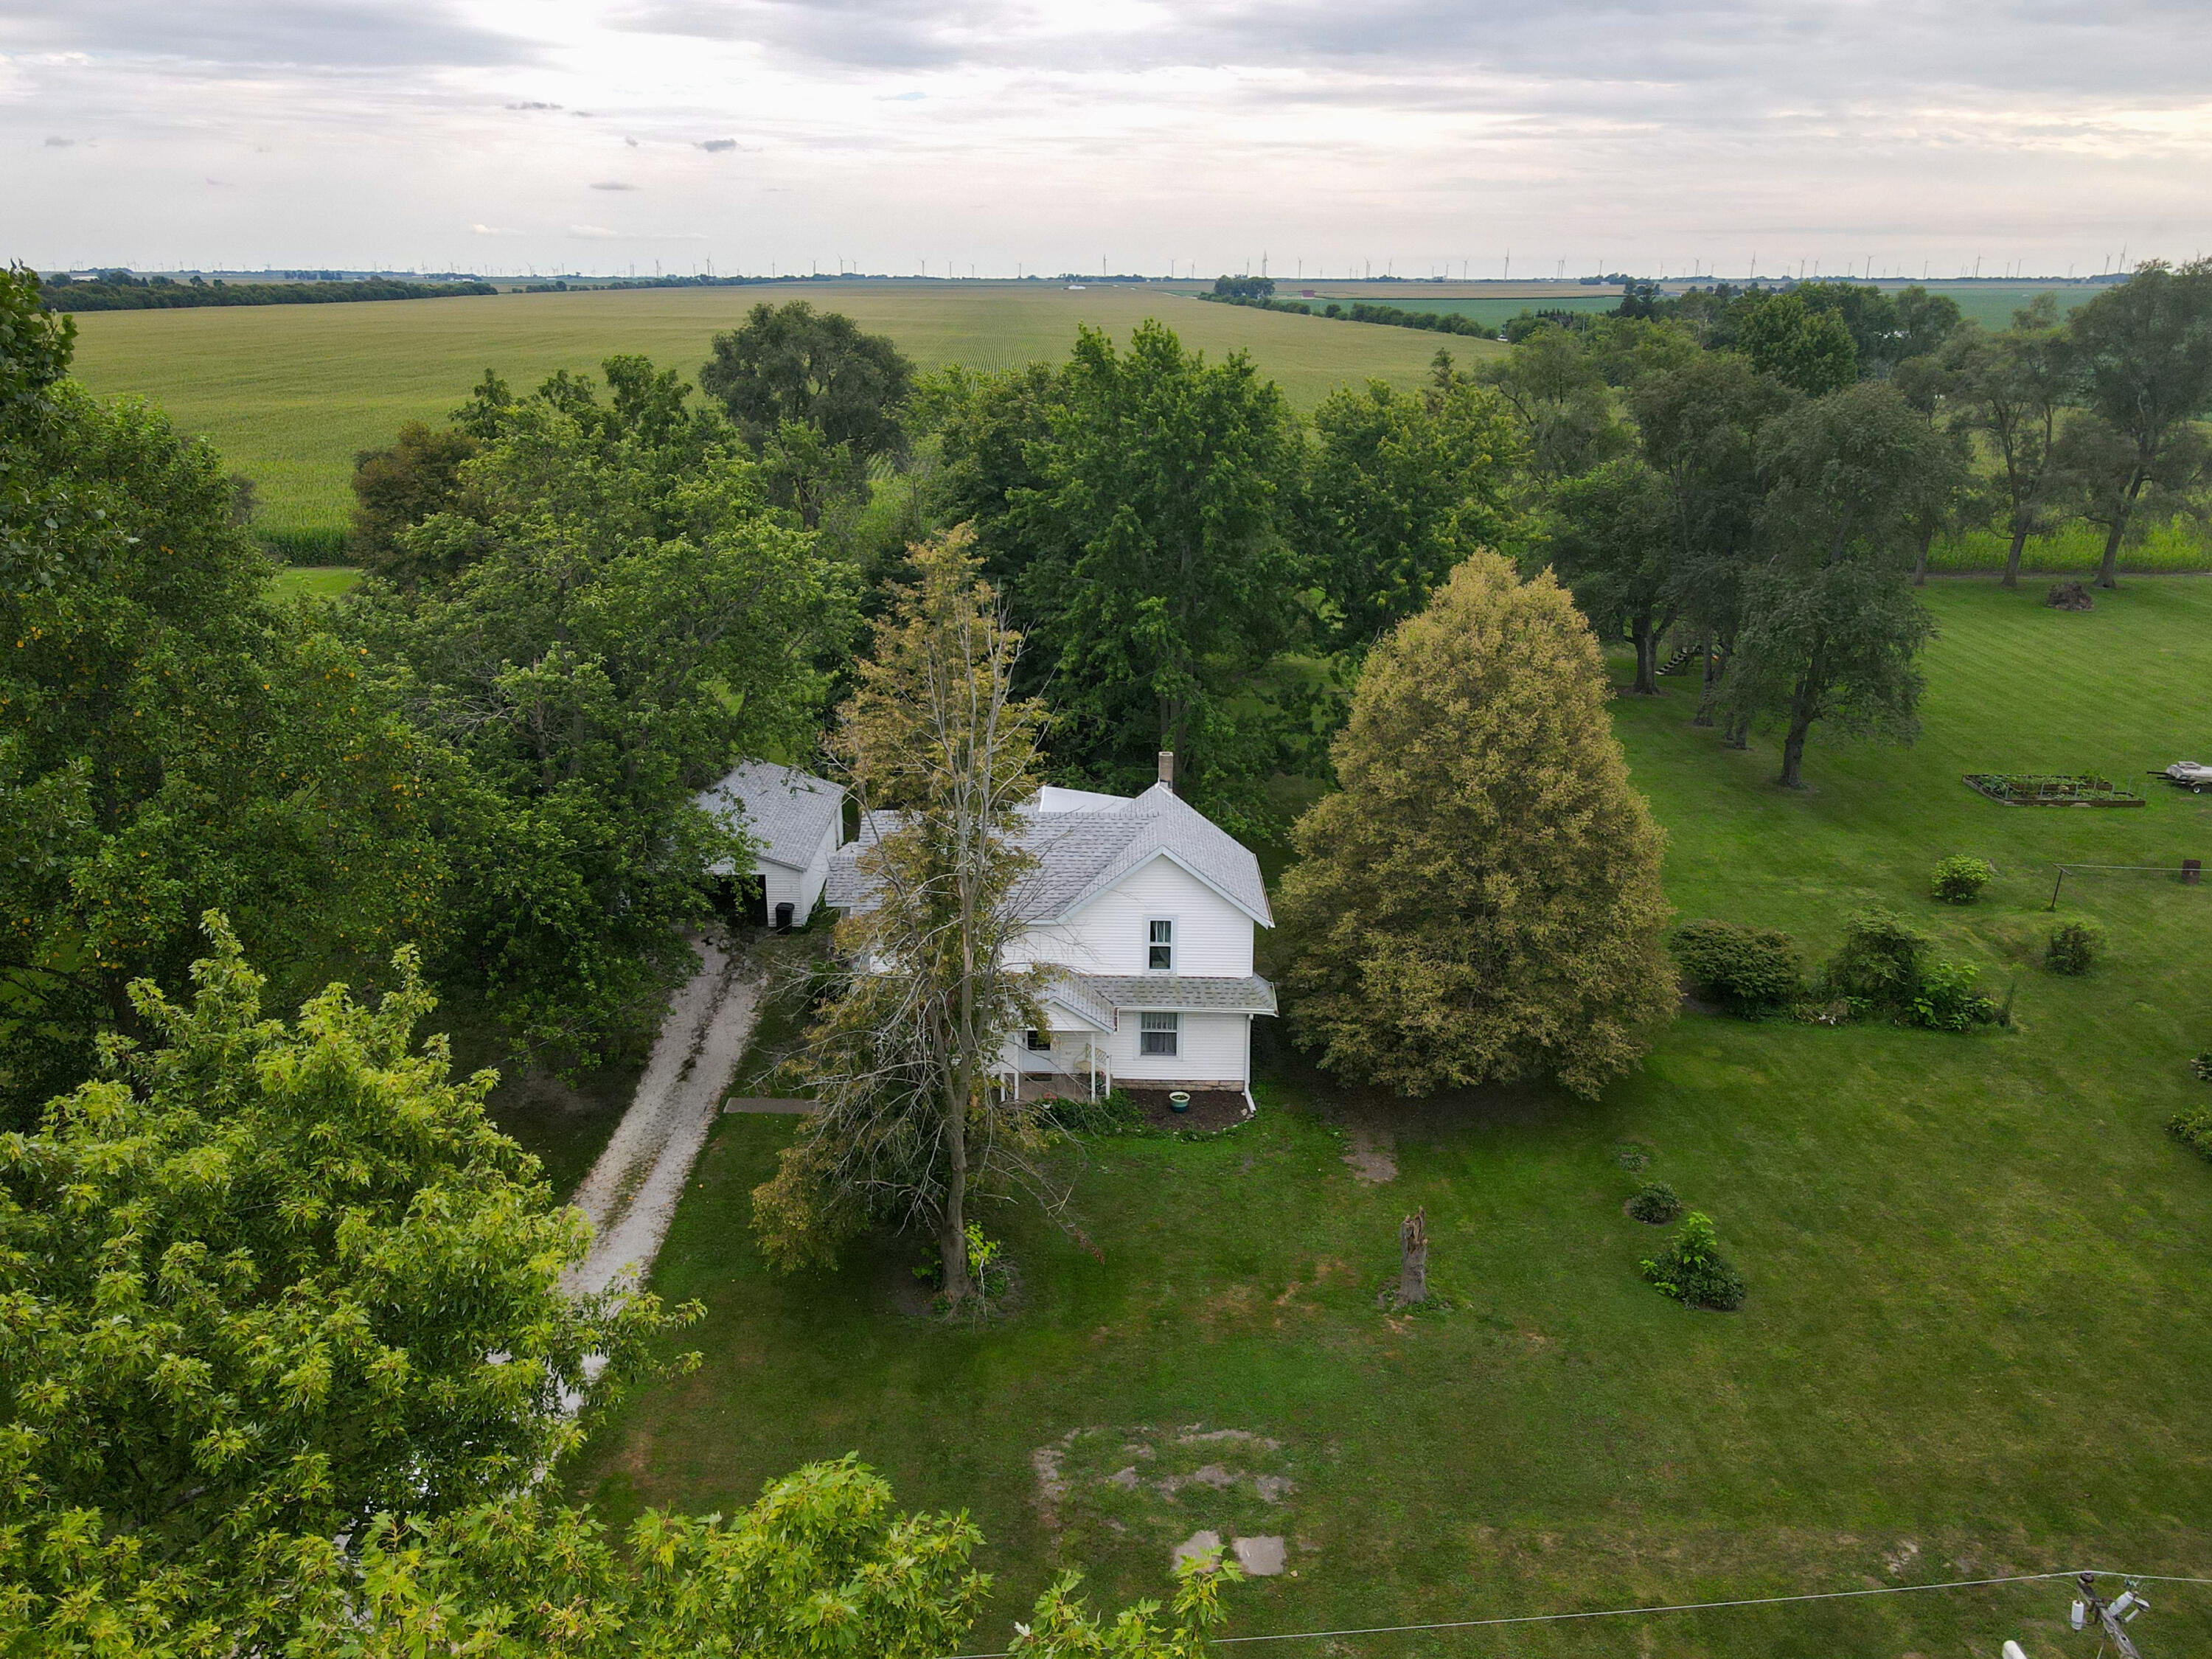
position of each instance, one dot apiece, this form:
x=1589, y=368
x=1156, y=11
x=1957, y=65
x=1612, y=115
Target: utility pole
x=2113, y=1616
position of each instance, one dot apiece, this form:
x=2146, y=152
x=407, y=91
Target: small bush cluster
x=987, y=1269
x=2203, y=1066
x=1747, y=970
x=1885, y=965
x=1654, y=1202
x=1693, y=1271
x=2193, y=1128
x=2074, y=947
x=1959, y=879
x=1112, y=1114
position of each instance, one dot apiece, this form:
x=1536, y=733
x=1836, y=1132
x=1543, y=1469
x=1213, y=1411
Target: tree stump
x=2068, y=596
x=1413, y=1258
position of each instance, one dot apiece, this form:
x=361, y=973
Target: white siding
x=1212, y=1049
x=1108, y=935
x=801, y=888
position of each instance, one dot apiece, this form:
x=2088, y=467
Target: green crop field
x=1979, y=1325
x=289, y=393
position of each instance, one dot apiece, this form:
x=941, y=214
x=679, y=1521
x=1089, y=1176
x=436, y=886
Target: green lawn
x=1977, y=1341
x=316, y=581
x=289, y=393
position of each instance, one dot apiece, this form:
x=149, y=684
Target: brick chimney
x=1167, y=766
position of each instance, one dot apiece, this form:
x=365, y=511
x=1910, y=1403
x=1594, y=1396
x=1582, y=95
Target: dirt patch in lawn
x=1166, y=1487
x=1371, y=1152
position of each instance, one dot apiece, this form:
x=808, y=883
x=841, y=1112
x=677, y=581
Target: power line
x=1673, y=1607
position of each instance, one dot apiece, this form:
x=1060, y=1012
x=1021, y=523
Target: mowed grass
x=315, y=581
x=290, y=394
x=1977, y=1341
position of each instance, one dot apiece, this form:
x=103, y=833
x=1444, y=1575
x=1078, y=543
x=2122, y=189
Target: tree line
x=118, y=290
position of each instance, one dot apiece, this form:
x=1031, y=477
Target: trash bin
x=783, y=918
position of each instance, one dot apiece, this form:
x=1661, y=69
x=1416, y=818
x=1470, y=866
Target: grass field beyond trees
x=1976, y=1338
x=290, y=394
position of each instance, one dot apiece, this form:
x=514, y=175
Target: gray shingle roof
x=1070, y=992
x=786, y=811
x=1188, y=993
x=1083, y=854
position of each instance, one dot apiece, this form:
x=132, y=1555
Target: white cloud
x=593, y=232
x=878, y=132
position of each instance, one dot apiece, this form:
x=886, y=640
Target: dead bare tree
x=1413, y=1258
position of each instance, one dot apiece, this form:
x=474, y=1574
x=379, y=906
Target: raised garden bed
x=2051, y=789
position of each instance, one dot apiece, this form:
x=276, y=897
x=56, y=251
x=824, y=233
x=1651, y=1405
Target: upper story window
x=1159, y=946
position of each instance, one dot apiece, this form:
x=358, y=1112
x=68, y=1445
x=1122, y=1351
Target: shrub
x=987, y=1270
x=1959, y=879
x=1112, y=1114
x=2203, y=1066
x=1693, y=1271
x=1879, y=961
x=2074, y=946
x=1654, y=1202
x=1946, y=1001
x=1747, y=970
x=2193, y=1129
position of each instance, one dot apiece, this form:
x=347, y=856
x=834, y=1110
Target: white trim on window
x=1159, y=945
x=1159, y=1035
x=1040, y=1042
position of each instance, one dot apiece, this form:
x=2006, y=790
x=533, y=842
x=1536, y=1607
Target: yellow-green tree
x=1480, y=902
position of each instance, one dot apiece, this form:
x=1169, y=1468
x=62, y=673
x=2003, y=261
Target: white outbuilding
x=796, y=821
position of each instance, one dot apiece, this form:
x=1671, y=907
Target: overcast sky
x=1417, y=134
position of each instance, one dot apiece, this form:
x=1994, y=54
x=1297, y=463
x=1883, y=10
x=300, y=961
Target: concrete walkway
x=631, y=1193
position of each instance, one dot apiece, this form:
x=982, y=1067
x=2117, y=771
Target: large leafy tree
x=630, y=618
x=791, y=362
x=262, y=1283
x=1162, y=579
x=1831, y=631
x=1698, y=422
x=1613, y=540
x=942, y=755
x=1480, y=902
x=170, y=738
x=1402, y=487
x=2144, y=352
x=2010, y=388
x=399, y=486
x=1807, y=348
x=822, y=1563
x=993, y=431
x=1557, y=393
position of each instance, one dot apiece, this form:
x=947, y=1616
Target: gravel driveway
x=631, y=1193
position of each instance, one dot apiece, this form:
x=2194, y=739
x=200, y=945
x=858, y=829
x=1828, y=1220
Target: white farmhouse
x=797, y=822
x=1146, y=907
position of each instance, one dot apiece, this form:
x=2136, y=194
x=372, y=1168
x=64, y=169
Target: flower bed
x=2051, y=789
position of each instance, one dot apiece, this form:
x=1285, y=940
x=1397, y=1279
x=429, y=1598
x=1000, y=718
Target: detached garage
x=795, y=820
